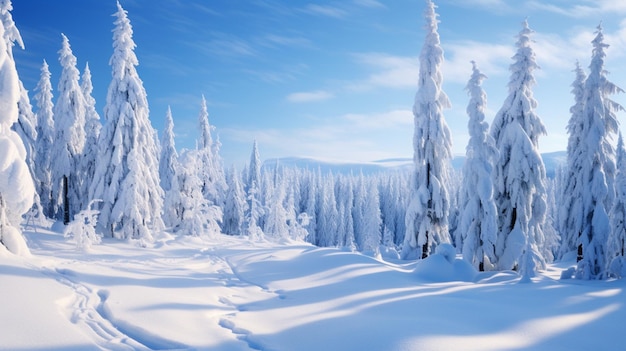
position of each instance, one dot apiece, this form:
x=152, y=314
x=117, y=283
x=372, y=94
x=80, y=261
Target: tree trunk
x=425, y=247
x=429, y=207
x=66, y=203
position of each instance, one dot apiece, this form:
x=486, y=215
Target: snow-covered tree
x=169, y=157
x=196, y=216
x=45, y=138
x=211, y=168
x=127, y=169
x=92, y=131
x=570, y=211
x=16, y=184
x=26, y=128
x=326, y=212
x=69, y=140
x=520, y=190
x=616, y=244
x=254, y=210
x=477, y=225
x=371, y=236
x=598, y=164
x=168, y=170
x=254, y=169
x=83, y=228
x=234, y=204
x=276, y=222
x=427, y=215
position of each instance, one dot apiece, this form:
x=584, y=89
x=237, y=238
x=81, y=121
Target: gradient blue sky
x=325, y=79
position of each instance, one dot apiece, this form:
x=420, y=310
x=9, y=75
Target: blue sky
x=326, y=79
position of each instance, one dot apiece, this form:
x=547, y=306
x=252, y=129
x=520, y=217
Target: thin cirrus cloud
x=386, y=71
x=309, y=96
x=582, y=9
x=325, y=10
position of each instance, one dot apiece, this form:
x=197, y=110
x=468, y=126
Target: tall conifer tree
x=478, y=209
x=520, y=186
x=427, y=215
x=598, y=164
x=127, y=173
x=69, y=140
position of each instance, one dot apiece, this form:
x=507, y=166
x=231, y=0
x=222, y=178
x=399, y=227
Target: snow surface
x=189, y=293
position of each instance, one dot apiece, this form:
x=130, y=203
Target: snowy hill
x=551, y=160
x=231, y=294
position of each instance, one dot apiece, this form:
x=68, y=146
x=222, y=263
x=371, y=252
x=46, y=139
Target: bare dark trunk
x=66, y=202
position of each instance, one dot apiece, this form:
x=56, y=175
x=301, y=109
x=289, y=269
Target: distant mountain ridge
x=551, y=160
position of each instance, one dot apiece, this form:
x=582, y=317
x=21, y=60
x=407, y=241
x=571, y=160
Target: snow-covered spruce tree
x=16, y=184
x=45, y=138
x=168, y=170
x=169, y=157
x=276, y=222
x=427, y=215
x=309, y=203
x=326, y=212
x=197, y=216
x=26, y=129
x=570, y=211
x=254, y=169
x=127, y=169
x=254, y=210
x=598, y=164
x=372, y=223
x=616, y=244
x=296, y=223
x=478, y=210
x=345, y=199
x=92, y=131
x=234, y=204
x=211, y=168
x=69, y=140
x=519, y=177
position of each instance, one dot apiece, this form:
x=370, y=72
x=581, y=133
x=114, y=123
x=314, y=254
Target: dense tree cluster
x=501, y=212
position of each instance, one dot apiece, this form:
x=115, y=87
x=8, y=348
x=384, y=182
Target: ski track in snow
x=227, y=322
x=90, y=309
x=88, y=306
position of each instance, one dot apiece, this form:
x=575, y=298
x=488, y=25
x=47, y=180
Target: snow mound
x=443, y=266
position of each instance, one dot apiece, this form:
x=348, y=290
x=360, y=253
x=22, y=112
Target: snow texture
x=230, y=294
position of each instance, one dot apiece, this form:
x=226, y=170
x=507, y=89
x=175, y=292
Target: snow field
x=230, y=293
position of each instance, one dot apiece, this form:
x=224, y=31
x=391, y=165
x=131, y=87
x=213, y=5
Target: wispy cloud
x=274, y=40
x=493, y=6
x=325, y=10
x=493, y=59
x=309, y=96
x=281, y=74
x=376, y=121
x=224, y=45
x=581, y=9
x=369, y=3
x=387, y=71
